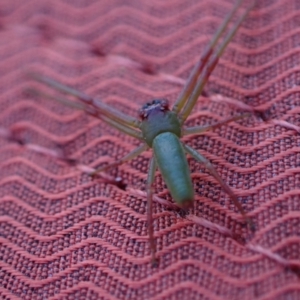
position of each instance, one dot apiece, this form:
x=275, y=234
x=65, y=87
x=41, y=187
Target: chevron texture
x=65, y=236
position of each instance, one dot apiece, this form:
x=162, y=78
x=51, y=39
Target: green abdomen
x=174, y=168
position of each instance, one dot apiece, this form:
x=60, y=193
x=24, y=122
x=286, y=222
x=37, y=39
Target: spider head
x=153, y=107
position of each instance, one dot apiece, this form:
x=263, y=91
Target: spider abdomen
x=173, y=165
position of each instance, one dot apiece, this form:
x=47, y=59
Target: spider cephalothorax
x=157, y=118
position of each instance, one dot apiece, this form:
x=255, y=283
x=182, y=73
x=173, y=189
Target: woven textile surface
x=66, y=236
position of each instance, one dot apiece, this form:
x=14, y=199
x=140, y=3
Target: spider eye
x=164, y=104
x=142, y=113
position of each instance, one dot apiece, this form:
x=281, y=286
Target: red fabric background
x=64, y=236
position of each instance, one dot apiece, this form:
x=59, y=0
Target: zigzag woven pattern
x=66, y=236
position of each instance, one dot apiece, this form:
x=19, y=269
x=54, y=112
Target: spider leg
x=96, y=104
x=149, y=188
x=258, y=111
x=131, y=155
x=196, y=155
x=11, y=135
x=91, y=111
x=209, y=67
x=192, y=80
x=7, y=134
x=202, y=129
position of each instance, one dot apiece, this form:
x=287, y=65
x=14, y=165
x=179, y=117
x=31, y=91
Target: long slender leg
x=131, y=155
x=202, y=129
x=89, y=110
x=149, y=188
x=10, y=135
x=216, y=175
x=192, y=80
x=258, y=111
x=210, y=67
x=104, y=109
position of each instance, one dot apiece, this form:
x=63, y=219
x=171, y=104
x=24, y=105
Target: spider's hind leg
x=196, y=155
x=150, y=180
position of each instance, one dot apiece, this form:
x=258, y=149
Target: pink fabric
x=65, y=236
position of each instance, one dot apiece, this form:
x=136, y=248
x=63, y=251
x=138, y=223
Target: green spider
x=161, y=128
